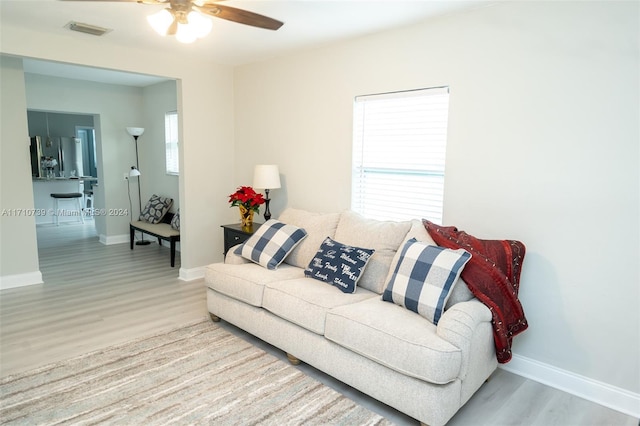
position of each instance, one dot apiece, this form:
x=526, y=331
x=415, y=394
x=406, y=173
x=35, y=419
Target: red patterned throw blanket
x=493, y=276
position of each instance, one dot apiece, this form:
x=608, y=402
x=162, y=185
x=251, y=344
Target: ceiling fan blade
x=239, y=15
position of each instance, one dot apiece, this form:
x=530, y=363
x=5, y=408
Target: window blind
x=399, y=145
x=171, y=142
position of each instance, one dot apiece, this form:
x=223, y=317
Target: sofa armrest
x=234, y=259
x=460, y=325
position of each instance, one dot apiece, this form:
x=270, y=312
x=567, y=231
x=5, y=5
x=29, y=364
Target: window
x=171, y=142
x=399, y=153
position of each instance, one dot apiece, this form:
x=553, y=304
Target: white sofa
x=384, y=350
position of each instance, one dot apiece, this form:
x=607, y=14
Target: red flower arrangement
x=248, y=198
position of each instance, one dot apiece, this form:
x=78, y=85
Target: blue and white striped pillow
x=271, y=243
x=423, y=278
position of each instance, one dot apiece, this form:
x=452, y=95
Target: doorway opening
x=64, y=161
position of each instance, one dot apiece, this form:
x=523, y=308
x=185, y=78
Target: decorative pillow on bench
x=271, y=243
x=155, y=209
x=175, y=221
x=339, y=264
x=423, y=278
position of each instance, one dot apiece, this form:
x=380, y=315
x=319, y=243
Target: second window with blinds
x=399, y=148
x=171, y=142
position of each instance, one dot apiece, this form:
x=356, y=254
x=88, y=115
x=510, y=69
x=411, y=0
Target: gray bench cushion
x=396, y=338
x=246, y=282
x=305, y=301
x=162, y=229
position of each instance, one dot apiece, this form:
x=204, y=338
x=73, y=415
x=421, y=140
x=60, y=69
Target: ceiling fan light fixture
x=185, y=34
x=161, y=21
x=197, y=26
x=188, y=28
x=201, y=24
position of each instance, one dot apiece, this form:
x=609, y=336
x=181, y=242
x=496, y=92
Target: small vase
x=246, y=216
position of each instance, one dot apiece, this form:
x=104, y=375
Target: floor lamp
x=135, y=172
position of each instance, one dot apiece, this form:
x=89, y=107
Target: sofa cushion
x=339, y=264
x=306, y=302
x=396, y=338
x=245, y=282
x=384, y=237
x=424, y=277
x=271, y=243
x=318, y=227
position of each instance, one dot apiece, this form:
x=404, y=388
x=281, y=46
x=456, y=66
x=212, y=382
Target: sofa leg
x=293, y=360
x=214, y=318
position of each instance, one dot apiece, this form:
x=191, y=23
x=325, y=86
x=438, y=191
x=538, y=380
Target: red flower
x=246, y=196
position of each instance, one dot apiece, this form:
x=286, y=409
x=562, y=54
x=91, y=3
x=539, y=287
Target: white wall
x=158, y=99
x=207, y=130
x=116, y=107
x=16, y=193
x=543, y=147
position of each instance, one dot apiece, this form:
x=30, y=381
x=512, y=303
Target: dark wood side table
x=235, y=233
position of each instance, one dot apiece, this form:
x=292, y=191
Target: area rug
x=196, y=374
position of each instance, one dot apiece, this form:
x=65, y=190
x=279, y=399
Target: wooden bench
x=162, y=231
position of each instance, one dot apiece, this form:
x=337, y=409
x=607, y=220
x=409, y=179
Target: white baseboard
x=599, y=392
x=191, y=274
x=108, y=240
x=20, y=280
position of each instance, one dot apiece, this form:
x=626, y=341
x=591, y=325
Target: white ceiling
x=307, y=24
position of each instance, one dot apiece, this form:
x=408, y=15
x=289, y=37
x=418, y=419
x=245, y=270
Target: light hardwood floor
x=96, y=296
x=93, y=296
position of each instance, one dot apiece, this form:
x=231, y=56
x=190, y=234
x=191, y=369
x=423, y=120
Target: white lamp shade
x=201, y=24
x=185, y=34
x=266, y=176
x=134, y=172
x=135, y=131
x=161, y=21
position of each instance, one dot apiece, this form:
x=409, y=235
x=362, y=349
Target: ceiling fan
x=187, y=21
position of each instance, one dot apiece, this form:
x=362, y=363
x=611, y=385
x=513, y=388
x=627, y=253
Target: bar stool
x=67, y=196
x=88, y=196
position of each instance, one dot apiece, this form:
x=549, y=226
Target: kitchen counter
x=43, y=188
x=58, y=179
